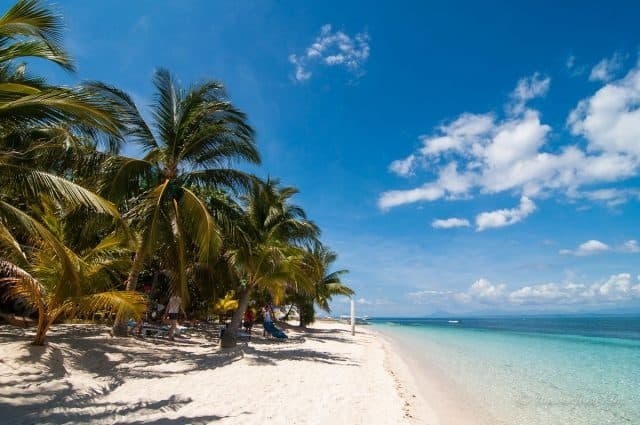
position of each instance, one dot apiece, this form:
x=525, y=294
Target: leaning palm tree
x=271, y=256
x=196, y=136
x=41, y=268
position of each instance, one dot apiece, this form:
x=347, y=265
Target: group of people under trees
x=175, y=310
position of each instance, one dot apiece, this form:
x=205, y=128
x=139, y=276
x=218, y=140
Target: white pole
x=353, y=317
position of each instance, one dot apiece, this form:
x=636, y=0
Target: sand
x=320, y=376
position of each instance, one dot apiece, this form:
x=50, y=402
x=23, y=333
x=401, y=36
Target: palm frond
x=124, y=177
x=35, y=183
x=35, y=229
x=127, y=303
x=21, y=284
x=30, y=18
x=166, y=110
x=204, y=228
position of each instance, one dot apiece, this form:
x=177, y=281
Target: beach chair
x=272, y=330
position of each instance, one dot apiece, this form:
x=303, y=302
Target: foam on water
x=534, y=376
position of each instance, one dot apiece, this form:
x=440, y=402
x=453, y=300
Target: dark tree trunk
x=120, y=324
x=230, y=337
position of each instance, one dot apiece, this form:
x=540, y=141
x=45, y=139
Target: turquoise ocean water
x=534, y=370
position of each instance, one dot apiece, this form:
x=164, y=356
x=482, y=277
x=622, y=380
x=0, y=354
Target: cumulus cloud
x=593, y=246
x=615, y=289
x=590, y=247
x=450, y=223
x=605, y=69
x=528, y=88
x=334, y=49
x=482, y=291
x=630, y=246
x=403, y=167
x=505, y=217
x=610, y=119
x=487, y=154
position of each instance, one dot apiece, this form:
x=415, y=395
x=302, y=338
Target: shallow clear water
x=535, y=370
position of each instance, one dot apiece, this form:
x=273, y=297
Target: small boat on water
x=364, y=320
x=453, y=322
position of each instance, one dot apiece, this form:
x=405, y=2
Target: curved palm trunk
x=44, y=322
x=230, y=337
x=120, y=323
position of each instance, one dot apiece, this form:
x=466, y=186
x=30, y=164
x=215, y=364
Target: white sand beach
x=319, y=376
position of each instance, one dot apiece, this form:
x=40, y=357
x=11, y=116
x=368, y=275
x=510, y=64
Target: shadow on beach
x=39, y=386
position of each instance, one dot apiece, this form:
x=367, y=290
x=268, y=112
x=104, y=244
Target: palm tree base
x=228, y=340
x=120, y=329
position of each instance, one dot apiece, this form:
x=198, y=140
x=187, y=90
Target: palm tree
x=30, y=30
x=271, y=256
x=33, y=114
x=196, y=136
x=326, y=284
x=41, y=267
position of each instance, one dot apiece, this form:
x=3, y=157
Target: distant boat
x=453, y=322
x=364, y=320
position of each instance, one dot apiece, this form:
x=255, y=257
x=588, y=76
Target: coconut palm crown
x=195, y=138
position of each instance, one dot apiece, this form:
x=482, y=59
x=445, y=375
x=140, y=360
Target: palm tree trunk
x=286, y=316
x=301, y=323
x=43, y=326
x=120, y=323
x=230, y=337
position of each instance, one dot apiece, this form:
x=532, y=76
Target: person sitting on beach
x=266, y=314
x=173, y=310
x=248, y=320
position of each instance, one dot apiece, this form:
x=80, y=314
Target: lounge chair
x=271, y=329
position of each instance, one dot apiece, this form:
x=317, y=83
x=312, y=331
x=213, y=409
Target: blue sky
x=459, y=156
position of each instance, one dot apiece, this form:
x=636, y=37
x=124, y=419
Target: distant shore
x=318, y=376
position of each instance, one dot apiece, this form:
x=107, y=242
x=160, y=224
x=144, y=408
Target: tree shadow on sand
x=40, y=390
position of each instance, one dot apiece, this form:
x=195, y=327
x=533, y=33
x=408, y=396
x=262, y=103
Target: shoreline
x=438, y=397
x=318, y=376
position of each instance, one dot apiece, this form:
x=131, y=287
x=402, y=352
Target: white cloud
x=612, y=197
x=450, y=223
x=483, y=154
x=593, y=246
x=630, y=246
x=528, y=88
x=505, y=217
x=403, y=167
x=617, y=288
x=332, y=48
x=589, y=247
x=573, y=67
x=459, y=135
x=610, y=119
x=482, y=291
x=428, y=295
x=301, y=74
x=428, y=192
x=605, y=69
